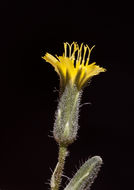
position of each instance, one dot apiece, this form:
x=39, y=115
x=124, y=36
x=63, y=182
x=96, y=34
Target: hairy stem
x=57, y=174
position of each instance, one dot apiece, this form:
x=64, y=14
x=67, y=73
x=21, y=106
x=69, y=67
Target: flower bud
x=85, y=176
x=66, y=122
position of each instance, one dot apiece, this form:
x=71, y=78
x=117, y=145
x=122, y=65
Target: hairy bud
x=66, y=122
x=85, y=176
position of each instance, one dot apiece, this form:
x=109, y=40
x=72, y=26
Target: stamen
x=79, y=53
x=75, y=48
x=65, y=49
x=73, y=45
x=66, y=46
x=69, y=49
x=89, y=52
x=92, y=48
x=85, y=50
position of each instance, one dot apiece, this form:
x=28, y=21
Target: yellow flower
x=73, y=66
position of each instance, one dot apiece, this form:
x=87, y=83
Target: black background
x=28, y=153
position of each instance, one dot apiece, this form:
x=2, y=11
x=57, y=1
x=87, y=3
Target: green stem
x=57, y=174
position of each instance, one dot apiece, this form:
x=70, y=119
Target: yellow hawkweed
x=73, y=67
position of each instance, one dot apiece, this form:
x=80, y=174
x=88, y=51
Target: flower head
x=73, y=66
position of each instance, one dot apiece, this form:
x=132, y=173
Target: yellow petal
x=50, y=59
